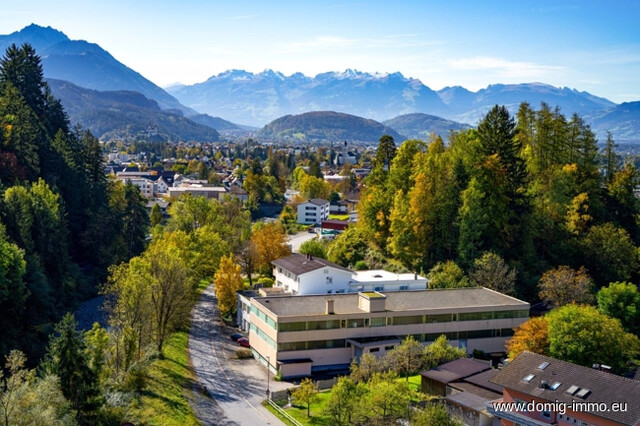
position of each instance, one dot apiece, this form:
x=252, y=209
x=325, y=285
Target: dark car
x=243, y=341
x=236, y=336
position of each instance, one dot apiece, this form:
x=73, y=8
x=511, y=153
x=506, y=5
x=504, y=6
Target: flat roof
x=396, y=301
x=382, y=275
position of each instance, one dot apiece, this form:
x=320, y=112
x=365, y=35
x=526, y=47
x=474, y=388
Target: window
x=475, y=316
x=555, y=386
x=329, y=280
x=389, y=348
x=545, y=415
x=543, y=366
x=374, y=350
x=528, y=378
x=292, y=326
x=378, y=322
x=412, y=319
x=438, y=318
x=355, y=323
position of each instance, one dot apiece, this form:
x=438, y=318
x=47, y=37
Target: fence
x=283, y=413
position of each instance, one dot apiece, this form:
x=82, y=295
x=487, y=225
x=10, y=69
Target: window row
x=404, y=320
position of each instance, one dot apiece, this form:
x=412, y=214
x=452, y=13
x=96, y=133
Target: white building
x=313, y=211
x=304, y=274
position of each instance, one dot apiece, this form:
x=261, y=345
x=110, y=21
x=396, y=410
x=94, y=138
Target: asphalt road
x=236, y=386
x=296, y=240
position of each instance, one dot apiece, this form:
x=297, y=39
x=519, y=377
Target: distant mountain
x=220, y=124
x=469, y=107
x=126, y=115
x=256, y=99
x=420, y=126
x=321, y=126
x=86, y=65
x=623, y=121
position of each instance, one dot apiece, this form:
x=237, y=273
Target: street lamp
x=268, y=363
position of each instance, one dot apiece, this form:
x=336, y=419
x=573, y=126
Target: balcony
x=515, y=417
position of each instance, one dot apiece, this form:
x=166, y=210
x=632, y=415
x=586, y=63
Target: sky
x=591, y=46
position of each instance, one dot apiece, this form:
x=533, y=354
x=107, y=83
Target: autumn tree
x=532, y=336
x=492, y=272
x=156, y=215
x=271, y=243
x=306, y=393
x=563, y=285
x=227, y=282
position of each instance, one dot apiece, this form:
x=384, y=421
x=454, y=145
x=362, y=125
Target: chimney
x=329, y=310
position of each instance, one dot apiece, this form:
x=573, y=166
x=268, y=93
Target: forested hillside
x=62, y=222
x=532, y=189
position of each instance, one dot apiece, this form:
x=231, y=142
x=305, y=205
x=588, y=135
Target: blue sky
x=587, y=45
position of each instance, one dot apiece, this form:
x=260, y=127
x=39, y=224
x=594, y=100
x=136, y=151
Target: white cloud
x=504, y=67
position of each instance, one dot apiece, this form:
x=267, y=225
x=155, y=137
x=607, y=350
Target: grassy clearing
x=339, y=217
x=162, y=401
x=318, y=419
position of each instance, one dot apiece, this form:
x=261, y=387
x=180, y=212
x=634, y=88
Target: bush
x=265, y=281
x=136, y=378
x=244, y=354
x=360, y=265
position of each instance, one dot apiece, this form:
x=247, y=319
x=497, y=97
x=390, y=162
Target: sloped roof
x=454, y=370
x=317, y=201
x=299, y=264
x=604, y=387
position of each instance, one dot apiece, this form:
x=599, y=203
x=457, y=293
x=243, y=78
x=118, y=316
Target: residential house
x=313, y=211
x=562, y=393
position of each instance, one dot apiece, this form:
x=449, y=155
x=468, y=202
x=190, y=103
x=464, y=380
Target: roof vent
x=377, y=276
x=544, y=384
x=572, y=389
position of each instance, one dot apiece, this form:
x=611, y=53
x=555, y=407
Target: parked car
x=236, y=336
x=243, y=341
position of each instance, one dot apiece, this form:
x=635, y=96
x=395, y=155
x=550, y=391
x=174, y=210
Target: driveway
x=296, y=240
x=237, y=387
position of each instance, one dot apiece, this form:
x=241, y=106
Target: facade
x=578, y=395
x=211, y=192
x=313, y=211
x=329, y=331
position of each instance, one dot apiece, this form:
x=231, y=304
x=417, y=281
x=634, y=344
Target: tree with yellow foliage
x=227, y=282
x=532, y=336
x=270, y=242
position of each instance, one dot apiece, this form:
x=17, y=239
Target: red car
x=243, y=341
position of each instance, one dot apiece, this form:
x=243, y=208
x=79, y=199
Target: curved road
x=236, y=386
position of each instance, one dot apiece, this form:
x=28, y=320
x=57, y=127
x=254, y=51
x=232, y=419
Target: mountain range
x=257, y=99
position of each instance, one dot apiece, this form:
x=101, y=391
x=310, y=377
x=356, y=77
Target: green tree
x=314, y=248
x=386, y=152
x=67, y=358
x=306, y=393
x=492, y=272
x=406, y=358
x=610, y=253
x=343, y=401
x=563, y=285
x=434, y=414
x=387, y=400
x=440, y=352
x=13, y=290
x=584, y=336
x=135, y=219
x=621, y=300
x=227, y=282
x=156, y=215
x=364, y=368
x=447, y=275
x=348, y=248
x=474, y=222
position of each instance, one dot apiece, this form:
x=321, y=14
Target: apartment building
x=313, y=211
x=300, y=335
